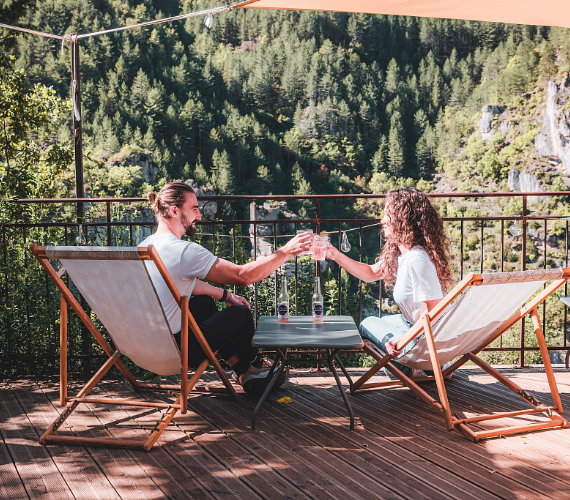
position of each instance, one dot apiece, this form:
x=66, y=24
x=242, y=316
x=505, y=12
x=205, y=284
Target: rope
x=158, y=21
x=260, y=223
x=113, y=30
x=25, y=30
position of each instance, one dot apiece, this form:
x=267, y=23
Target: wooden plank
x=76, y=465
x=193, y=462
x=35, y=466
x=164, y=475
x=302, y=461
x=10, y=484
x=123, y=472
x=385, y=466
x=432, y=474
x=530, y=480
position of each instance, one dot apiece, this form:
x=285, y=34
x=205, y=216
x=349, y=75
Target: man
x=228, y=331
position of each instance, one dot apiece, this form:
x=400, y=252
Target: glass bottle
x=317, y=302
x=283, y=302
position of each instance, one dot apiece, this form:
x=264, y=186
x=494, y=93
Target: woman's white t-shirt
x=416, y=283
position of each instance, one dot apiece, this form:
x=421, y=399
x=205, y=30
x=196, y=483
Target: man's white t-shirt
x=416, y=282
x=186, y=261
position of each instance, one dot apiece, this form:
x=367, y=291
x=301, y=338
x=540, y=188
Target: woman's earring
x=345, y=245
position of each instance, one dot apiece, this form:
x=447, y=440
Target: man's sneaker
x=254, y=381
x=283, y=376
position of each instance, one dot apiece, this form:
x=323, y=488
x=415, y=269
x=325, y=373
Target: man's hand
x=236, y=300
x=299, y=244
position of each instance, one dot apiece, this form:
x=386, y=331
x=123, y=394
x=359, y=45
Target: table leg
x=350, y=382
x=331, y=355
x=282, y=362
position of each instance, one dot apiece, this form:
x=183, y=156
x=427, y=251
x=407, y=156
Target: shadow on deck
x=303, y=449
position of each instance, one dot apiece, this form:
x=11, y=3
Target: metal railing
x=498, y=240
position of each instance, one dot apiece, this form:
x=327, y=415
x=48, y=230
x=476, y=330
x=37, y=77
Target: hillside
x=299, y=102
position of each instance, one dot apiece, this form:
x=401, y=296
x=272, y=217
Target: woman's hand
x=332, y=252
x=234, y=299
x=391, y=349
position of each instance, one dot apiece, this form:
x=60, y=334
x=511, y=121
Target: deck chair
x=116, y=284
x=474, y=314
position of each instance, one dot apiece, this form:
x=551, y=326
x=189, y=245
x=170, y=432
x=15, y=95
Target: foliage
x=31, y=161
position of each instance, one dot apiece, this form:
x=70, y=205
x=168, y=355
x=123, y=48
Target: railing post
x=523, y=268
x=109, y=233
x=77, y=132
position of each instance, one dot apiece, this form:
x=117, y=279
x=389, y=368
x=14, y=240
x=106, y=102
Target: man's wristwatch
x=224, y=296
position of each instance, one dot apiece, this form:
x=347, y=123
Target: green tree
x=31, y=161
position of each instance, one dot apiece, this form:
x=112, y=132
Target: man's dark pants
x=228, y=331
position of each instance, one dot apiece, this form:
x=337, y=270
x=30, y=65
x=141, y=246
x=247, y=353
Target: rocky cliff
x=554, y=139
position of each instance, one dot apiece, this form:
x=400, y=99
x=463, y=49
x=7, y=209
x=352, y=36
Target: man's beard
x=189, y=228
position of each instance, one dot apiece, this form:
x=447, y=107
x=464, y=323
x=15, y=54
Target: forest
x=277, y=102
x=285, y=102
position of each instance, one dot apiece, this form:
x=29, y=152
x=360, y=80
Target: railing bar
x=523, y=266
x=255, y=317
x=380, y=281
x=275, y=285
x=545, y=227
x=296, y=279
x=502, y=246
x=360, y=281
x=234, y=257
x=565, y=335
x=6, y=292
x=482, y=244
x=339, y=277
x=461, y=258
x=109, y=232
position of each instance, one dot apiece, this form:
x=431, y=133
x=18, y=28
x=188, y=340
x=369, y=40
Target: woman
x=414, y=261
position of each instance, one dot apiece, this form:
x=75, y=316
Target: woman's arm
x=360, y=270
x=428, y=305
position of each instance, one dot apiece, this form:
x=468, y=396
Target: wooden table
x=332, y=335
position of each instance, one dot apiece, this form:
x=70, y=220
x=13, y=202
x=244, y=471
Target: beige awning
x=539, y=13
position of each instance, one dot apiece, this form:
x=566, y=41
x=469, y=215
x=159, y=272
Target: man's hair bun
x=151, y=196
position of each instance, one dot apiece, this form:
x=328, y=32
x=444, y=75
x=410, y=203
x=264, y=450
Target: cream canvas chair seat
x=473, y=315
x=116, y=284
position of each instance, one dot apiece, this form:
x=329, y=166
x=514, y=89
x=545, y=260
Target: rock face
x=268, y=212
x=554, y=140
x=489, y=111
x=209, y=208
x=144, y=160
x=525, y=182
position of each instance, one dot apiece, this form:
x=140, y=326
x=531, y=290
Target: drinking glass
x=320, y=243
x=301, y=231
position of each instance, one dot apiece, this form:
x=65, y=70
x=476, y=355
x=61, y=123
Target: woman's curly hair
x=414, y=222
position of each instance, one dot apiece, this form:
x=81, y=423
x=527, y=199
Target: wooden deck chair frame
x=452, y=421
x=169, y=409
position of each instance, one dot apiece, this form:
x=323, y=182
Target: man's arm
x=232, y=299
x=226, y=272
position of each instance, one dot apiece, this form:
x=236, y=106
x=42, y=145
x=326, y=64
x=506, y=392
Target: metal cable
x=158, y=21
x=25, y=30
x=148, y=23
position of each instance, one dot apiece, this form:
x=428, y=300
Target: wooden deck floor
x=303, y=449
